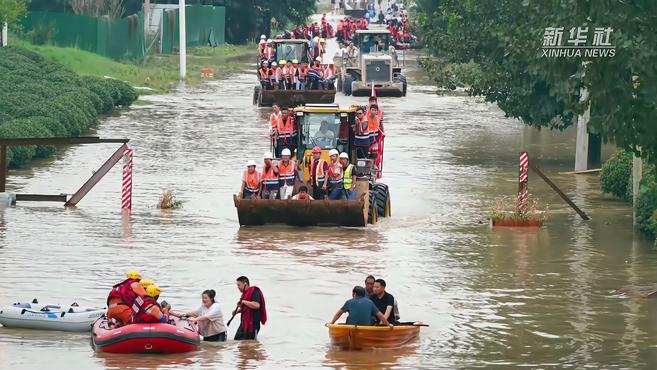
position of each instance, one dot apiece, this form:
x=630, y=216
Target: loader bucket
x=293, y=98
x=301, y=212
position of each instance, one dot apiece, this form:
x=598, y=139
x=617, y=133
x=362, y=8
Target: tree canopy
x=11, y=9
x=501, y=43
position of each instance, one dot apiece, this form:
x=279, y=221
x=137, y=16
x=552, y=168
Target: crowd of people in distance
x=370, y=305
x=135, y=300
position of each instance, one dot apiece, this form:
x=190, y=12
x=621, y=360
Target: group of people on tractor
x=295, y=75
x=334, y=179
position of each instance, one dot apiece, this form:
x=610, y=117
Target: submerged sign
x=578, y=44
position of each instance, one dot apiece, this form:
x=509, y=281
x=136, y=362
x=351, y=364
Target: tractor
x=290, y=49
x=375, y=67
x=372, y=200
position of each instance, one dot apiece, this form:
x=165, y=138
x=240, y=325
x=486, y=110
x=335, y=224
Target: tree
x=504, y=39
x=98, y=8
x=10, y=10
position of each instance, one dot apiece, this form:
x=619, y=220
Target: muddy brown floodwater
x=492, y=298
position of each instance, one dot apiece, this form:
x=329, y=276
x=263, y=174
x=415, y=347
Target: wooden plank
x=96, y=177
x=41, y=198
x=563, y=196
x=583, y=172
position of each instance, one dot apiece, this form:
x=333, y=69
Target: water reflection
x=368, y=359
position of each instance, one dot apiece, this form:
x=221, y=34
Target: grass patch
x=158, y=72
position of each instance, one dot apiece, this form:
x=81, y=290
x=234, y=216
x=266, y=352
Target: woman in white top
x=209, y=318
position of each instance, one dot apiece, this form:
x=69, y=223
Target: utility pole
x=582, y=142
x=3, y=35
x=183, y=39
x=637, y=174
x=147, y=18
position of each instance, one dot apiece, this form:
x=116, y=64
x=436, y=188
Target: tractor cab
x=329, y=127
x=292, y=49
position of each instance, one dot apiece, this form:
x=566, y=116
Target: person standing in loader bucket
x=270, y=185
x=288, y=174
x=251, y=181
x=335, y=176
x=318, y=174
x=349, y=182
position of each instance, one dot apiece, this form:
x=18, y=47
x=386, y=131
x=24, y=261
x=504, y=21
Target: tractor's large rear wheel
x=372, y=211
x=382, y=195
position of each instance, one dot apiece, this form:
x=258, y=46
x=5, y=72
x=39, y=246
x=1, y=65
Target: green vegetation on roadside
x=39, y=98
x=503, y=43
x=158, y=72
x=616, y=179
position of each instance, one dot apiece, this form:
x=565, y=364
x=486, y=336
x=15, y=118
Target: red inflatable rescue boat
x=176, y=337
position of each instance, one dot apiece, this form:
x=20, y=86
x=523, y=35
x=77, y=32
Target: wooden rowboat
x=367, y=337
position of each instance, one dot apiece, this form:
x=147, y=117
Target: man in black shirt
x=383, y=300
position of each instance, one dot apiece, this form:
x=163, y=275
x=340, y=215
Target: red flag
x=379, y=156
x=373, y=94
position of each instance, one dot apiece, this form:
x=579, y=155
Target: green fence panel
x=113, y=38
x=205, y=25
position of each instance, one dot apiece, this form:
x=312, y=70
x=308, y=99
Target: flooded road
x=491, y=297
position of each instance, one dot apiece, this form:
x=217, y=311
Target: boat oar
x=412, y=323
x=234, y=313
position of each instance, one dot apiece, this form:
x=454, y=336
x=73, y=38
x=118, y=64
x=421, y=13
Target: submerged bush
x=39, y=98
x=615, y=174
x=646, y=205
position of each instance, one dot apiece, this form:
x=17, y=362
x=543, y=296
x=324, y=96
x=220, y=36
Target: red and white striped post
x=126, y=196
x=523, y=183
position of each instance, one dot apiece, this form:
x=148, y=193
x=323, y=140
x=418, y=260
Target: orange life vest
x=264, y=73
x=285, y=128
x=269, y=52
x=329, y=72
x=373, y=124
x=363, y=133
x=286, y=173
x=251, y=180
x=336, y=175
x=269, y=178
x=320, y=176
x=275, y=119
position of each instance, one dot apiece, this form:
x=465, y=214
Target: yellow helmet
x=281, y=62
x=322, y=40
x=134, y=275
x=153, y=291
x=146, y=282
x=295, y=61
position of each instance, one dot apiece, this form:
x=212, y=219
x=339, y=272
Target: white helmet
x=268, y=155
x=344, y=155
x=262, y=37
x=286, y=151
x=274, y=64
x=250, y=163
x=261, y=42
x=319, y=59
x=333, y=152
x=269, y=41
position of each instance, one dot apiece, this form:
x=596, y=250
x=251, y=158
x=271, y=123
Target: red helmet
x=317, y=149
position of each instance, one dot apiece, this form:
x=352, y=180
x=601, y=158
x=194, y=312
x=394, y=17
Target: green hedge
x=39, y=98
x=616, y=179
x=646, y=207
x=615, y=174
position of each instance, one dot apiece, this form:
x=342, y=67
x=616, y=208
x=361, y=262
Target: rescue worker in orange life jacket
x=250, y=181
x=269, y=186
x=265, y=75
x=335, y=176
x=122, y=297
x=148, y=310
x=373, y=101
x=318, y=174
x=288, y=174
x=285, y=137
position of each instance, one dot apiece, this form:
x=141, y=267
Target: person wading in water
x=252, y=307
